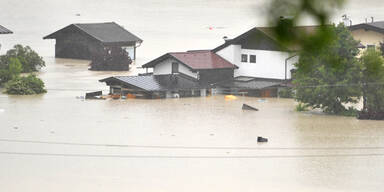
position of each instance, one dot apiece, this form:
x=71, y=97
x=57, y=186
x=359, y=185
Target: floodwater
x=198, y=144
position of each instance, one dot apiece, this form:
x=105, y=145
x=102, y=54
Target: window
x=252, y=58
x=244, y=58
x=175, y=68
x=371, y=46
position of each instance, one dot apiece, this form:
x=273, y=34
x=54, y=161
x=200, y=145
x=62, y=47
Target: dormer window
x=244, y=58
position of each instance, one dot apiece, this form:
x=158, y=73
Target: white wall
x=231, y=53
x=269, y=64
x=165, y=67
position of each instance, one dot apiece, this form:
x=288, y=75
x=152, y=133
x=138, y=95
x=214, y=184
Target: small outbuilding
x=154, y=86
x=107, y=44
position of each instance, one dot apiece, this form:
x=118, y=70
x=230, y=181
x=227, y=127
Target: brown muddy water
x=59, y=116
x=195, y=127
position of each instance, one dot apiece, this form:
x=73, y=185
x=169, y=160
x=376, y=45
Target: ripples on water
x=190, y=122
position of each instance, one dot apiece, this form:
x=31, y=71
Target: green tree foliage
x=14, y=69
x=372, y=81
x=382, y=48
x=25, y=86
x=28, y=58
x=286, y=14
x=329, y=78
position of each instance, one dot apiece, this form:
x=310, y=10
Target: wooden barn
x=107, y=44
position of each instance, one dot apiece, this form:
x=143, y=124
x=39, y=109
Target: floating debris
x=248, y=107
x=262, y=140
x=230, y=97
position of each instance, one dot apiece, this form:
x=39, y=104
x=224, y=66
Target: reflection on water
x=192, y=122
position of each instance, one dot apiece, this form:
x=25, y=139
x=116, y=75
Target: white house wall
x=269, y=64
x=165, y=68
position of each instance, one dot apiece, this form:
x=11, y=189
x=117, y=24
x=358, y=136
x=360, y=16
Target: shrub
x=301, y=107
x=286, y=93
x=28, y=58
x=25, y=86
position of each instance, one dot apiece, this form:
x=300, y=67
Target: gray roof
x=156, y=82
x=374, y=26
x=107, y=33
x=4, y=30
x=243, y=82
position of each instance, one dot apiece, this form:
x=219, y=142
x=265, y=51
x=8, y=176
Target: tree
x=28, y=58
x=13, y=71
x=329, y=77
x=15, y=67
x=381, y=47
x=372, y=81
x=25, y=86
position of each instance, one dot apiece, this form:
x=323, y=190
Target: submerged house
x=264, y=66
x=106, y=44
x=177, y=74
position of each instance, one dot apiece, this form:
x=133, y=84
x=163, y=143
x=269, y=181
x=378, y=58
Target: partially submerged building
x=177, y=74
x=154, y=86
x=106, y=44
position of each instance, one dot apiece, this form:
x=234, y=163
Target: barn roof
x=106, y=33
x=156, y=82
x=374, y=26
x=195, y=60
x=4, y=30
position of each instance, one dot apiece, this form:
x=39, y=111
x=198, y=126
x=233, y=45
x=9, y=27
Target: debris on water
x=79, y=97
x=248, y=107
x=15, y=127
x=94, y=95
x=230, y=97
x=261, y=139
x=262, y=100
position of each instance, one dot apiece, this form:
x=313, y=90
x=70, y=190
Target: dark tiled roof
x=157, y=82
x=196, y=60
x=4, y=30
x=375, y=26
x=267, y=33
x=107, y=33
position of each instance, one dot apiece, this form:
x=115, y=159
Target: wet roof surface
x=4, y=30
x=157, y=82
x=104, y=32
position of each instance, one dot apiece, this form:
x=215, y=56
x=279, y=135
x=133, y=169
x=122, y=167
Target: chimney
x=346, y=20
x=226, y=39
x=372, y=19
x=366, y=20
